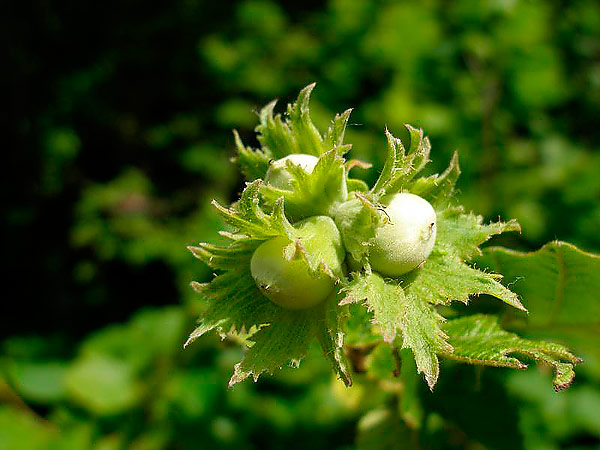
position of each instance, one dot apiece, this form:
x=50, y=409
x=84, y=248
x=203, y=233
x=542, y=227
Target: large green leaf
x=560, y=286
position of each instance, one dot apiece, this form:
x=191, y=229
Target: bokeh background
x=119, y=135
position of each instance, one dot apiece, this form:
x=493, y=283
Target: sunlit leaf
x=479, y=339
x=560, y=286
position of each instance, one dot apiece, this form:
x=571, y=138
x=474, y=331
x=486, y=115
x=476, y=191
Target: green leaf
x=102, y=384
x=393, y=310
x=385, y=301
x=195, y=391
x=149, y=336
x=22, y=429
x=39, y=381
x=285, y=339
x=560, y=286
x=478, y=339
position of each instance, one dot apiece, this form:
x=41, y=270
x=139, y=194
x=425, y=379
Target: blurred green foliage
x=119, y=137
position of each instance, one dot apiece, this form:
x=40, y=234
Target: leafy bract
x=395, y=310
x=285, y=339
x=458, y=238
x=294, y=133
x=462, y=234
x=249, y=220
x=315, y=193
x=236, y=306
x=357, y=219
x=311, y=194
x=438, y=189
x=401, y=166
x=479, y=339
x=461, y=281
x=405, y=304
x=253, y=163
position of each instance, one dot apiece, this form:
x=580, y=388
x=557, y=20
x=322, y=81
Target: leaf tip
x=188, y=341
x=431, y=381
x=559, y=387
x=198, y=287
x=238, y=375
